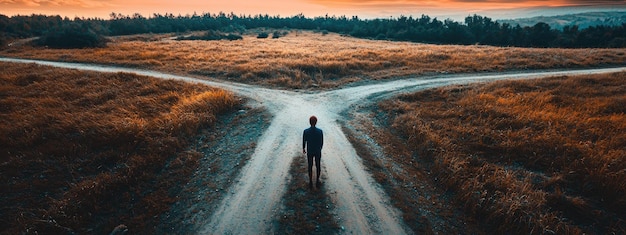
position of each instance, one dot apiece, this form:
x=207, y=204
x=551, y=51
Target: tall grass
x=535, y=156
x=306, y=59
x=84, y=151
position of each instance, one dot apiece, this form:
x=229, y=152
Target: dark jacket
x=313, y=140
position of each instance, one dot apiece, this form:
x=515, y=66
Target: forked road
x=360, y=204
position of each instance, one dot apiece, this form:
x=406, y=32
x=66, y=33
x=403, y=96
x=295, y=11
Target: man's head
x=313, y=120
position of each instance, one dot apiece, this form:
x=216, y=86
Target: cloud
x=20, y=3
x=55, y=3
x=392, y=3
x=588, y=2
x=367, y=8
x=377, y=3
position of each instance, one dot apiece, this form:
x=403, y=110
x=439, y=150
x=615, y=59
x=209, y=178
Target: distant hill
x=583, y=20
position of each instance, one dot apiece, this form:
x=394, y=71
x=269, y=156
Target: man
x=312, y=142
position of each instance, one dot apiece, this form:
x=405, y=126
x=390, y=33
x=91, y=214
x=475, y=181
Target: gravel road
x=360, y=204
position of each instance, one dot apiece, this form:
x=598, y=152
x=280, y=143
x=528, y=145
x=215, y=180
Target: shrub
x=262, y=35
x=276, y=34
x=233, y=28
x=212, y=35
x=3, y=41
x=72, y=36
x=232, y=37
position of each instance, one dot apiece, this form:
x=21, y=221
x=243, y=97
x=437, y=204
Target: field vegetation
x=88, y=151
x=83, y=152
x=578, y=20
x=211, y=36
x=473, y=30
x=306, y=59
x=71, y=36
x=528, y=156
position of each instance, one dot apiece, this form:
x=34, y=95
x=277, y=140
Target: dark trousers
x=310, y=157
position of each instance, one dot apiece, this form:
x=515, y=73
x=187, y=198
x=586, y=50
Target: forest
x=474, y=30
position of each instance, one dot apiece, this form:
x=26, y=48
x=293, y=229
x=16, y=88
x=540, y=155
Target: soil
x=306, y=210
x=224, y=154
x=241, y=185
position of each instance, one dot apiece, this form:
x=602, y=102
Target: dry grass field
x=530, y=156
x=533, y=156
x=84, y=151
x=307, y=59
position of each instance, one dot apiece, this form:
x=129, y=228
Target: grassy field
x=531, y=156
x=307, y=59
x=536, y=156
x=85, y=152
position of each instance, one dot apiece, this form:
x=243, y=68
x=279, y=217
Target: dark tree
x=474, y=30
x=541, y=35
x=72, y=36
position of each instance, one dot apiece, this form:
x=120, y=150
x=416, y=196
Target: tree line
x=474, y=30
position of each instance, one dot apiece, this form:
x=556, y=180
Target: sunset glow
x=310, y=8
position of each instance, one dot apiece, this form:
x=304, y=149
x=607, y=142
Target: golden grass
x=396, y=184
x=535, y=156
x=305, y=59
x=85, y=151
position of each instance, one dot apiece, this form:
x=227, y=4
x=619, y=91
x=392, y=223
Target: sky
x=443, y=9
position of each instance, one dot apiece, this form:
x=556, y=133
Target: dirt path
x=360, y=204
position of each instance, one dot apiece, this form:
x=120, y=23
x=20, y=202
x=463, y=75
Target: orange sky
x=310, y=8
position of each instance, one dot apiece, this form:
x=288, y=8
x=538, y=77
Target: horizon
x=450, y=9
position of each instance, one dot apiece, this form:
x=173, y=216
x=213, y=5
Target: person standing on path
x=312, y=142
